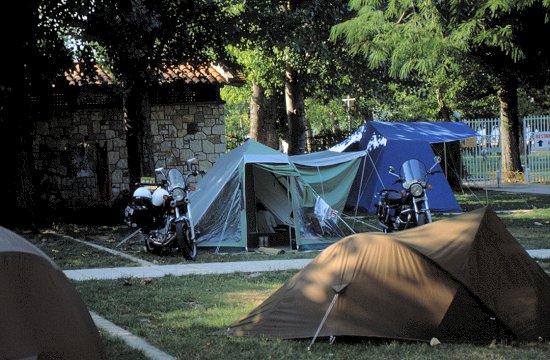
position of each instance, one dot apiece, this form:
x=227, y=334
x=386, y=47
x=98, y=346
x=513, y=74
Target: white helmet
x=158, y=196
x=142, y=192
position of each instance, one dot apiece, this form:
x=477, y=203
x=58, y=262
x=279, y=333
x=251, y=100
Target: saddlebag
x=137, y=216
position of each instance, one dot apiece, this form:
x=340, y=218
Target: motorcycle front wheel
x=422, y=219
x=187, y=247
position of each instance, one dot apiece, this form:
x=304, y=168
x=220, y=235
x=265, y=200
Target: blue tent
x=392, y=144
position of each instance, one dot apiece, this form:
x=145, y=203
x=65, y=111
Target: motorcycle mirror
x=437, y=159
x=391, y=169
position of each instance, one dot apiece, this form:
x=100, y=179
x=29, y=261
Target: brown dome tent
x=41, y=314
x=460, y=279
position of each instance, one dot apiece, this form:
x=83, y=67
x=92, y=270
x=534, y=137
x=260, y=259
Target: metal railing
x=482, y=156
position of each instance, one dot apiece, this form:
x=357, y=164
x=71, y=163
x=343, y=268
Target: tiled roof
x=213, y=74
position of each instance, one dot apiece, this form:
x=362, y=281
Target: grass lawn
x=531, y=228
x=179, y=316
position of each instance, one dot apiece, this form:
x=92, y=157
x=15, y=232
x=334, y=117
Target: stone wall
x=82, y=160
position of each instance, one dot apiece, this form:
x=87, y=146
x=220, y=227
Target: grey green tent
x=224, y=205
x=330, y=173
x=460, y=279
x=41, y=314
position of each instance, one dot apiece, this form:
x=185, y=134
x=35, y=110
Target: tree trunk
x=449, y=152
x=262, y=118
x=294, y=100
x=137, y=118
x=444, y=113
x=17, y=146
x=309, y=137
x=509, y=126
x=19, y=164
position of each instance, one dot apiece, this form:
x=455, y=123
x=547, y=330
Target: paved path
x=130, y=339
x=543, y=189
x=209, y=268
x=185, y=269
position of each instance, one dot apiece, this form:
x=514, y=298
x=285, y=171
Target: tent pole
x=376, y=171
x=323, y=321
x=291, y=211
x=321, y=181
x=234, y=197
x=360, y=190
x=347, y=225
x=445, y=157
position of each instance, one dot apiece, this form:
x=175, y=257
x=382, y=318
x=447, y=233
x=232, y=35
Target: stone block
x=195, y=146
x=83, y=130
x=157, y=115
x=166, y=146
x=207, y=147
x=188, y=118
x=110, y=134
x=116, y=177
x=220, y=148
x=218, y=129
x=113, y=157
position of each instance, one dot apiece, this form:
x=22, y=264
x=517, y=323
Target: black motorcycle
x=162, y=213
x=408, y=208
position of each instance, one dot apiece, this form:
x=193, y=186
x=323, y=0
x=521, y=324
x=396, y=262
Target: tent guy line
x=110, y=251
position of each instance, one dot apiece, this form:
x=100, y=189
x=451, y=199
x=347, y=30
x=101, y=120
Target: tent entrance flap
x=267, y=189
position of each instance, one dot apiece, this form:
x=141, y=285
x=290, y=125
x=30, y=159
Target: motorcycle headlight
x=416, y=190
x=178, y=194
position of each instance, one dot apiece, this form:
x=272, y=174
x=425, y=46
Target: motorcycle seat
x=392, y=197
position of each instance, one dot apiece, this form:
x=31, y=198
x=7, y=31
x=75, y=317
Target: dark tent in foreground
x=41, y=314
x=460, y=279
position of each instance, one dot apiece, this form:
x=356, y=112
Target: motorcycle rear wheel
x=187, y=247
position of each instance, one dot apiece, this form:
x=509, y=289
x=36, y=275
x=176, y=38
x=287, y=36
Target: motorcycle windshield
x=413, y=171
x=175, y=179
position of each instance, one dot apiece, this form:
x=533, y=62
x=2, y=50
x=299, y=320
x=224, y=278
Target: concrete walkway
x=209, y=268
x=130, y=339
x=543, y=189
x=185, y=269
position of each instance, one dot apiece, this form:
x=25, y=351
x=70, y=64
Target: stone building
x=80, y=146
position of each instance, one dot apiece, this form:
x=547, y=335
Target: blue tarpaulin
x=391, y=144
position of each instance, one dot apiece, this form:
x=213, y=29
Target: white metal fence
x=481, y=156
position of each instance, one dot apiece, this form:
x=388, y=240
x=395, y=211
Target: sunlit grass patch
x=180, y=315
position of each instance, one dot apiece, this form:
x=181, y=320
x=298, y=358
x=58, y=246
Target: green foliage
x=141, y=35
x=456, y=49
x=237, y=112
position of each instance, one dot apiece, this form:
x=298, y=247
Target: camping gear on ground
x=224, y=205
x=162, y=214
x=41, y=314
x=462, y=279
x=393, y=143
x=405, y=209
